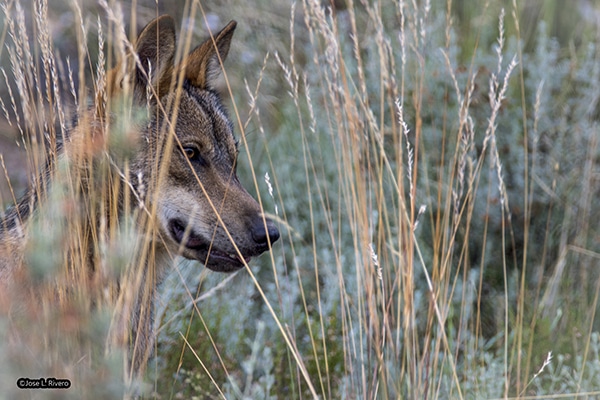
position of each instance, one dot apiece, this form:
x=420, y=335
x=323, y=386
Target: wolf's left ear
x=203, y=64
x=155, y=47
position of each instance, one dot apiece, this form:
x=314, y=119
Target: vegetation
x=434, y=168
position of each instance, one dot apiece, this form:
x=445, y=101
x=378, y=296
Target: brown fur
x=179, y=182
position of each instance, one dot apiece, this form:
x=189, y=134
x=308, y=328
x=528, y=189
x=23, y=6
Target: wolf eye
x=193, y=154
x=190, y=152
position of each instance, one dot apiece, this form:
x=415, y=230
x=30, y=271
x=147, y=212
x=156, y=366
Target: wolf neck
x=87, y=207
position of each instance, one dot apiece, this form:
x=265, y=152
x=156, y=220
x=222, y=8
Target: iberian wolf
x=178, y=182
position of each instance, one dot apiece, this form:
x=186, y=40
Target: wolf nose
x=264, y=236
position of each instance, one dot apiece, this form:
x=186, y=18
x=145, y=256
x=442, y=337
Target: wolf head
x=188, y=154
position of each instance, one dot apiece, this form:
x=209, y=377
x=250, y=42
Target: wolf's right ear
x=203, y=64
x=155, y=48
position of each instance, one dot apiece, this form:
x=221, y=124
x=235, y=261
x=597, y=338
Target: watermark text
x=43, y=383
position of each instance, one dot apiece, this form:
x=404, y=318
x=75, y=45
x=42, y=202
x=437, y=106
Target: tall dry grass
x=437, y=210
x=58, y=322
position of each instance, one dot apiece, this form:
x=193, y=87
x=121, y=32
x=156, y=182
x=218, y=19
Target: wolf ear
x=203, y=64
x=155, y=47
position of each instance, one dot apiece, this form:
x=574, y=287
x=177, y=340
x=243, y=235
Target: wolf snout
x=264, y=233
